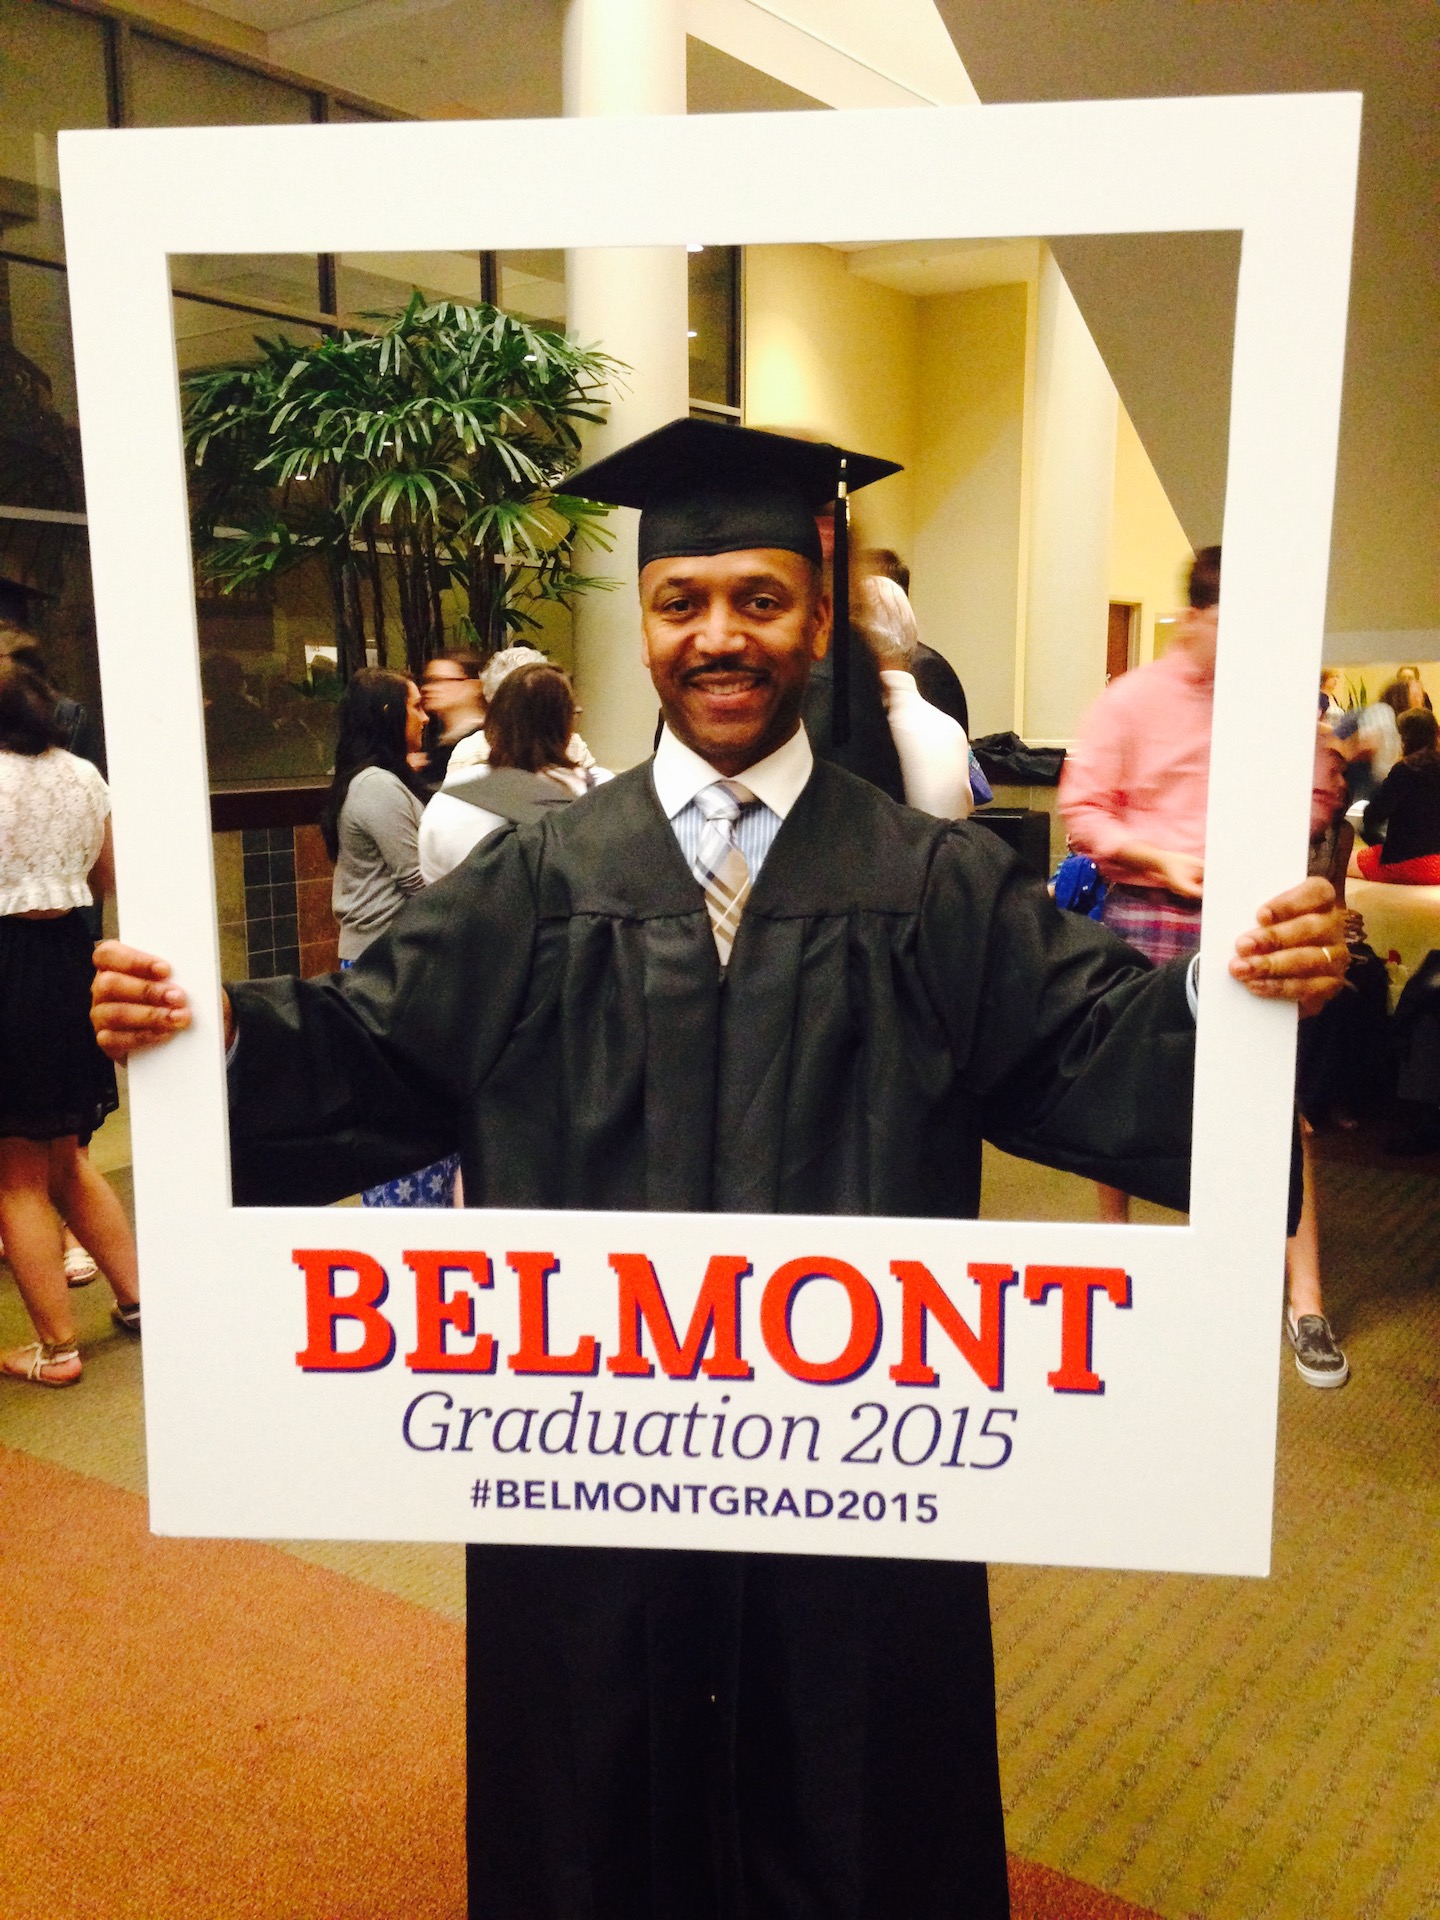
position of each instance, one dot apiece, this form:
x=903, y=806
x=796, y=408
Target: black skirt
x=54, y=1080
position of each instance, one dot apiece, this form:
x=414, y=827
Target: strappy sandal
x=80, y=1267
x=127, y=1318
x=34, y=1363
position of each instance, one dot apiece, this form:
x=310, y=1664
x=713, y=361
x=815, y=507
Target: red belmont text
x=346, y=1289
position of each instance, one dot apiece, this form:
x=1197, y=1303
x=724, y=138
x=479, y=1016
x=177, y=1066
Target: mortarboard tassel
x=840, y=598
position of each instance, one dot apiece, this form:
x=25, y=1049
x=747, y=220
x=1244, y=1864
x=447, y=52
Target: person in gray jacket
x=371, y=827
x=371, y=818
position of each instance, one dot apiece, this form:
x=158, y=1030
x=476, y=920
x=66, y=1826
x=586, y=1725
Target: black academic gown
x=710, y=1736
x=869, y=748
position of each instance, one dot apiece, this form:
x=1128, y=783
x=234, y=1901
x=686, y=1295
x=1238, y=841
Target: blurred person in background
x=932, y=747
x=454, y=705
x=1332, y=685
x=529, y=729
x=56, y=1086
x=1133, y=795
x=1402, y=822
x=474, y=750
x=934, y=675
x=1369, y=738
x=1409, y=678
x=1134, y=790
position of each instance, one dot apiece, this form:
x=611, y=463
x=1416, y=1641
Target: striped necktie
x=720, y=866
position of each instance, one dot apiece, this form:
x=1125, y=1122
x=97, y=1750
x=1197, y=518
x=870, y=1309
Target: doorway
x=1121, y=639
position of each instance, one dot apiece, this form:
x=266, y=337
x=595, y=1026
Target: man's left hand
x=1297, y=950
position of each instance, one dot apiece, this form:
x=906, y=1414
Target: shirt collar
x=777, y=781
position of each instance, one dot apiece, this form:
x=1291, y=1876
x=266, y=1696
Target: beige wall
x=1018, y=530
x=1072, y=495
x=835, y=356
x=968, y=493
x=1149, y=554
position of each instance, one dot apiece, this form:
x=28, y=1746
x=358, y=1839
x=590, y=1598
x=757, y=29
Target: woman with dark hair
x=371, y=825
x=371, y=817
x=55, y=1084
x=1406, y=810
x=80, y=736
x=529, y=730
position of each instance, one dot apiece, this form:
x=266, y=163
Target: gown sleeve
x=1079, y=1053
x=342, y=1083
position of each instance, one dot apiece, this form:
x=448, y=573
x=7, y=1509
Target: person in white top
x=474, y=750
x=933, y=751
x=529, y=769
x=55, y=1084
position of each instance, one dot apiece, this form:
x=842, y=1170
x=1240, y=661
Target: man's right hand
x=132, y=1004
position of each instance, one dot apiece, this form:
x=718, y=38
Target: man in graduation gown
x=734, y=979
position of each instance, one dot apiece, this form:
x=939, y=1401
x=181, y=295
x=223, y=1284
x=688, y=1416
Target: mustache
x=723, y=669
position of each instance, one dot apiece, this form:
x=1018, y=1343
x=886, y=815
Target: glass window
x=173, y=87
x=383, y=282
x=713, y=308
x=532, y=284
x=267, y=669
x=266, y=652
x=209, y=336
x=39, y=436
x=288, y=279
x=52, y=75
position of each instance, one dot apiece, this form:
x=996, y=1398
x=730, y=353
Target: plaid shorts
x=1161, y=926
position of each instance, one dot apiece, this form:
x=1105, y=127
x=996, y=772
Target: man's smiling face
x=729, y=640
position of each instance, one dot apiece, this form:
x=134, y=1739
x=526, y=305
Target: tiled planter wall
x=272, y=887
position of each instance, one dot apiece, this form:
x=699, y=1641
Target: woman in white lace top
x=55, y=1085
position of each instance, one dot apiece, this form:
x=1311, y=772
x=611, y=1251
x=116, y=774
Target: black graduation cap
x=704, y=488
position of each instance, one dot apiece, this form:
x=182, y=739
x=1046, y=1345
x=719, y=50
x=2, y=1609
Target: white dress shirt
x=777, y=782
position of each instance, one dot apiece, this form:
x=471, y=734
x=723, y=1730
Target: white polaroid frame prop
x=1126, y=1414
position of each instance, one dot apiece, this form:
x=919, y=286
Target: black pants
x=688, y=1736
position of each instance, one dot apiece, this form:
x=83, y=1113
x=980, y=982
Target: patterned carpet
x=214, y=1728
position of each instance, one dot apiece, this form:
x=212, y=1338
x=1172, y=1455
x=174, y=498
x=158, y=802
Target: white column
x=624, y=57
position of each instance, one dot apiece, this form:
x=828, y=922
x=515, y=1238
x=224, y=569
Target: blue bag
x=1078, y=887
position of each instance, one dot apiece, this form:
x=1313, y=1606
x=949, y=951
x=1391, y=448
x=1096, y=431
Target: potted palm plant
x=425, y=454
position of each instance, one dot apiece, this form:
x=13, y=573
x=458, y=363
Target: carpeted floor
x=212, y=1730
x=1230, y=1749
x=217, y=1728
